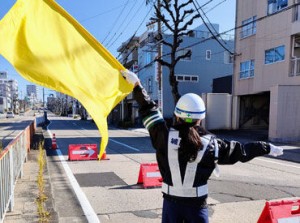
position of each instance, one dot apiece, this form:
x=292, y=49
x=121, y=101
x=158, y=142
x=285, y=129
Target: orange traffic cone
x=104, y=157
x=54, y=145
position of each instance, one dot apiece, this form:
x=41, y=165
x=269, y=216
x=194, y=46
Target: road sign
x=83, y=152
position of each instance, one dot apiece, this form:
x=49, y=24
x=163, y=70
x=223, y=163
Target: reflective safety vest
x=185, y=188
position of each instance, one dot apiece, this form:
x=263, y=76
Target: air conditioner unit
x=297, y=45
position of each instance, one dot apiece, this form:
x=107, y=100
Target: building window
x=179, y=78
x=148, y=58
x=208, y=55
x=296, y=10
x=274, y=55
x=248, y=27
x=183, y=52
x=276, y=5
x=187, y=78
x=247, y=69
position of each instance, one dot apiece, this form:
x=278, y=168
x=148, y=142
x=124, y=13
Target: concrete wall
x=284, y=113
x=218, y=111
x=271, y=32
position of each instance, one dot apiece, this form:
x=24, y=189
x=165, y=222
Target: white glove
x=130, y=77
x=275, y=150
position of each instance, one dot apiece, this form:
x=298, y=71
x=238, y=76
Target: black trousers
x=174, y=212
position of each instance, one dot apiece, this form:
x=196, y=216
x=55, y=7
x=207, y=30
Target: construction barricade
x=83, y=152
x=284, y=211
x=149, y=175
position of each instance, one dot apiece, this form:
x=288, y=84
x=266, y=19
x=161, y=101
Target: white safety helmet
x=190, y=107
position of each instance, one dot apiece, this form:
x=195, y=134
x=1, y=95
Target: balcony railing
x=294, y=67
x=207, y=35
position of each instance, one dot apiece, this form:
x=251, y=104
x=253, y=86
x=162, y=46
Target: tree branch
x=184, y=4
x=190, y=22
x=162, y=18
x=167, y=43
x=185, y=33
x=187, y=54
x=162, y=62
x=167, y=7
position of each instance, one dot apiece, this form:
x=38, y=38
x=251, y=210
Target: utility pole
x=159, y=67
x=43, y=97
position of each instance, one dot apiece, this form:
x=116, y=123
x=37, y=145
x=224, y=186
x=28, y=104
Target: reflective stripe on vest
x=185, y=192
x=186, y=188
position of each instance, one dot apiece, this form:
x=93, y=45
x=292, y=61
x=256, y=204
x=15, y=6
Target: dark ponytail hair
x=190, y=143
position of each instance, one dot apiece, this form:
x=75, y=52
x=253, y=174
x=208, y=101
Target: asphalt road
x=107, y=191
x=11, y=127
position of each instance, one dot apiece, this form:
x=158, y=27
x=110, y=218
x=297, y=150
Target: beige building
x=266, y=82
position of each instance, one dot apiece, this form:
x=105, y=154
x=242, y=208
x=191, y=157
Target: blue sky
x=115, y=21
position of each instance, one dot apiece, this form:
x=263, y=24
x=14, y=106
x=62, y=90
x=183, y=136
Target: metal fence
x=12, y=159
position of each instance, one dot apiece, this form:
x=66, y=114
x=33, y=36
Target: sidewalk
x=26, y=191
x=25, y=209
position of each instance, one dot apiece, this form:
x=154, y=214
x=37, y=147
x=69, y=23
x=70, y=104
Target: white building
x=31, y=89
x=8, y=93
x=32, y=93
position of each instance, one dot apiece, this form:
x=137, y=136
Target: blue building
x=209, y=62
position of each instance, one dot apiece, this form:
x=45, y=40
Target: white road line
x=282, y=164
x=84, y=202
x=129, y=147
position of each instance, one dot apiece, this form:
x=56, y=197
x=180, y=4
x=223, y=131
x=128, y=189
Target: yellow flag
x=49, y=47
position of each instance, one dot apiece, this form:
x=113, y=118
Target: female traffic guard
x=187, y=154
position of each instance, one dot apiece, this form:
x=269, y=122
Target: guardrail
x=12, y=159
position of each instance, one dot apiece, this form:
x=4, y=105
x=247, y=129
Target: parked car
x=10, y=114
x=21, y=113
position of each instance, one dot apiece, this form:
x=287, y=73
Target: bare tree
x=177, y=19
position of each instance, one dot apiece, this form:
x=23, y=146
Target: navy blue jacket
x=230, y=152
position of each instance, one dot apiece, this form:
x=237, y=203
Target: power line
x=134, y=15
x=225, y=32
x=115, y=22
x=201, y=8
x=215, y=6
x=209, y=29
x=136, y=32
x=102, y=13
x=241, y=26
x=134, y=35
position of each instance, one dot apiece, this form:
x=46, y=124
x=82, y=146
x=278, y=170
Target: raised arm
x=231, y=152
